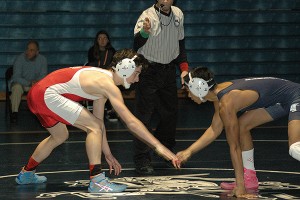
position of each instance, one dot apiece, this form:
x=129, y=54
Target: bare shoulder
x=222, y=86
x=96, y=83
x=239, y=99
x=88, y=76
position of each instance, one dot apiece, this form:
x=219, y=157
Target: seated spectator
x=29, y=67
x=102, y=52
x=100, y=55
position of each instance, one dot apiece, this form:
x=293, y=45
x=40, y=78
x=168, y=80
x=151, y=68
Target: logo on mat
x=200, y=185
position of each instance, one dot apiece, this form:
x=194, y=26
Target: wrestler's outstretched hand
x=113, y=164
x=168, y=155
x=184, y=155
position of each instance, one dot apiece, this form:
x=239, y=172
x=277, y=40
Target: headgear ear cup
x=198, y=86
x=125, y=68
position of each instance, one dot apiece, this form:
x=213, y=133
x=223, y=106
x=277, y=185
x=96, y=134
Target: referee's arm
x=140, y=38
x=181, y=59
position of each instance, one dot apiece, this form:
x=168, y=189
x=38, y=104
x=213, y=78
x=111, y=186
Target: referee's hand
x=147, y=25
x=183, y=74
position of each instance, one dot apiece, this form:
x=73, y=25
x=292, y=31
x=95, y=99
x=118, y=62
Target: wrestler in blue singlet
x=277, y=96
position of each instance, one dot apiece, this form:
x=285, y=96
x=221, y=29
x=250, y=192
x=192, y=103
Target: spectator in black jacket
x=102, y=52
x=100, y=55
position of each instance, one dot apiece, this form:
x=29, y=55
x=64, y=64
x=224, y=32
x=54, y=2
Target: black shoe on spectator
x=143, y=167
x=111, y=116
x=13, y=117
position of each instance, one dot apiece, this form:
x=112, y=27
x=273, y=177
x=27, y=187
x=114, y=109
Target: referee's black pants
x=157, y=91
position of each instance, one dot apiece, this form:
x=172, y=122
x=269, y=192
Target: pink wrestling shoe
x=251, y=181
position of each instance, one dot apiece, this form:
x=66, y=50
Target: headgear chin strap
x=125, y=69
x=198, y=86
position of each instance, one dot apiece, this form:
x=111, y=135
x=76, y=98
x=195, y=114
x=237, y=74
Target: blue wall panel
x=235, y=38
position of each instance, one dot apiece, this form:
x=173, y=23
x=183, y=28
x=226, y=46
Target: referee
x=159, y=37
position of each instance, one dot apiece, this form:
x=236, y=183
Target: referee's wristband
x=144, y=34
x=184, y=66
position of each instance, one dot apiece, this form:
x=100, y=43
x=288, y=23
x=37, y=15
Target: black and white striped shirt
x=162, y=46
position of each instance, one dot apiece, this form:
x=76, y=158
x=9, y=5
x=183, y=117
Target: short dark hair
x=205, y=74
x=129, y=53
x=174, y=2
x=34, y=42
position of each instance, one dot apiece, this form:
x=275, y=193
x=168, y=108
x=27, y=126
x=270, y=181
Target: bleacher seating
x=234, y=38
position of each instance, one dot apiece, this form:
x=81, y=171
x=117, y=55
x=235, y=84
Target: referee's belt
x=162, y=66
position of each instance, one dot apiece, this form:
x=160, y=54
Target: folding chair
x=8, y=75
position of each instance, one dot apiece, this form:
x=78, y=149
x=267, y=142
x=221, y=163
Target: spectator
x=28, y=68
x=102, y=52
x=100, y=55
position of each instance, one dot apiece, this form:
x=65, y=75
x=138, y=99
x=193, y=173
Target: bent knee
x=16, y=87
x=96, y=127
x=294, y=150
x=244, y=125
x=60, y=139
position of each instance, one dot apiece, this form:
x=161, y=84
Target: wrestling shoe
x=102, y=184
x=251, y=181
x=29, y=177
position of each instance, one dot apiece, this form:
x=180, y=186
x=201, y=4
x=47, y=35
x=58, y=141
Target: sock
x=248, y=159
x=95, y=170
x=294, y=150
x=31, y=165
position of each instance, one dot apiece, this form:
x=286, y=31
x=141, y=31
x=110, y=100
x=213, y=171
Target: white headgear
x=198, y=86
x=125, y=69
